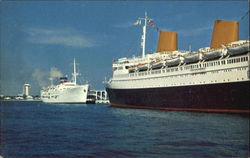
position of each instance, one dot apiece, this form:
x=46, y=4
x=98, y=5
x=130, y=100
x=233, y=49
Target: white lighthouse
x=26, y=90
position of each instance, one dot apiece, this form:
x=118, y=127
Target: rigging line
x=133, y=45
x=244, y=15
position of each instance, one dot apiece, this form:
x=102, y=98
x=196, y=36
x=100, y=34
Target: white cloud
x=191, y=32
x=64, y=37
x=123, y=25
x=195, y=31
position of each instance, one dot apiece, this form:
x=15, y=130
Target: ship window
x=243, y=59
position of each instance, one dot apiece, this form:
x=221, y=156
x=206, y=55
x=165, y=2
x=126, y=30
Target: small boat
x=212, y=54
x=143, y=67
x=238, y=48
x=131, y=68
x=174, y=61
x=157, y=65
x=192, y=57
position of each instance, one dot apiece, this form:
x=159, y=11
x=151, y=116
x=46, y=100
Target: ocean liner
x=66, y=92
x=211, y=79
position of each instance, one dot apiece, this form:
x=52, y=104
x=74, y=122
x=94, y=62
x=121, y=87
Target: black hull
x=223, y=97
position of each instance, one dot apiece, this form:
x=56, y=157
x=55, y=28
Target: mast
x=74, y=74
x=144, y=31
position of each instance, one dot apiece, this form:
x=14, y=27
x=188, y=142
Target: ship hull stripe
x=66, y=102
x=182, y=109
x=223, y=97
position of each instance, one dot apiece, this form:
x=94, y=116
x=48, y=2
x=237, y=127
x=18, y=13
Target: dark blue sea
x=34, y=129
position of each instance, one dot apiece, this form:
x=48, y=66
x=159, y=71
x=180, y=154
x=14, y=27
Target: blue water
x=35, y=129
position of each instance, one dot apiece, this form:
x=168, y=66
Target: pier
x=97, y=97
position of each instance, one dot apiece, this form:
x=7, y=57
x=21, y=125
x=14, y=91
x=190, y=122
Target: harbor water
x=34, y=129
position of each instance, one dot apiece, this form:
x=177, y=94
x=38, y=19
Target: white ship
x=211, y=79
x=66, y=92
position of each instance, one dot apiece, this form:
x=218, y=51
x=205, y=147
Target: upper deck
x=181, y=60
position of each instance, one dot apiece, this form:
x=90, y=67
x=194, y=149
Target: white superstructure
x=222, y=70
x=66, y=92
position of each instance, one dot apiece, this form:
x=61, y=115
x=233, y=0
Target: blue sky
x=42, y=37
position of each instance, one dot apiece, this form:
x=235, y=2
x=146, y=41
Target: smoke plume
x=55, y=73
x=40, y=77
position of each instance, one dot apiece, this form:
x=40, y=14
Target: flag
x=138, y=22
x=151, y=24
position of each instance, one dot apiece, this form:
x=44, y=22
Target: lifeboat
x=174, y=61
x=192, y=57
x=131, y=68
x=212, y=54
x=157, y=65
x=143, y=67
x=235, y=49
